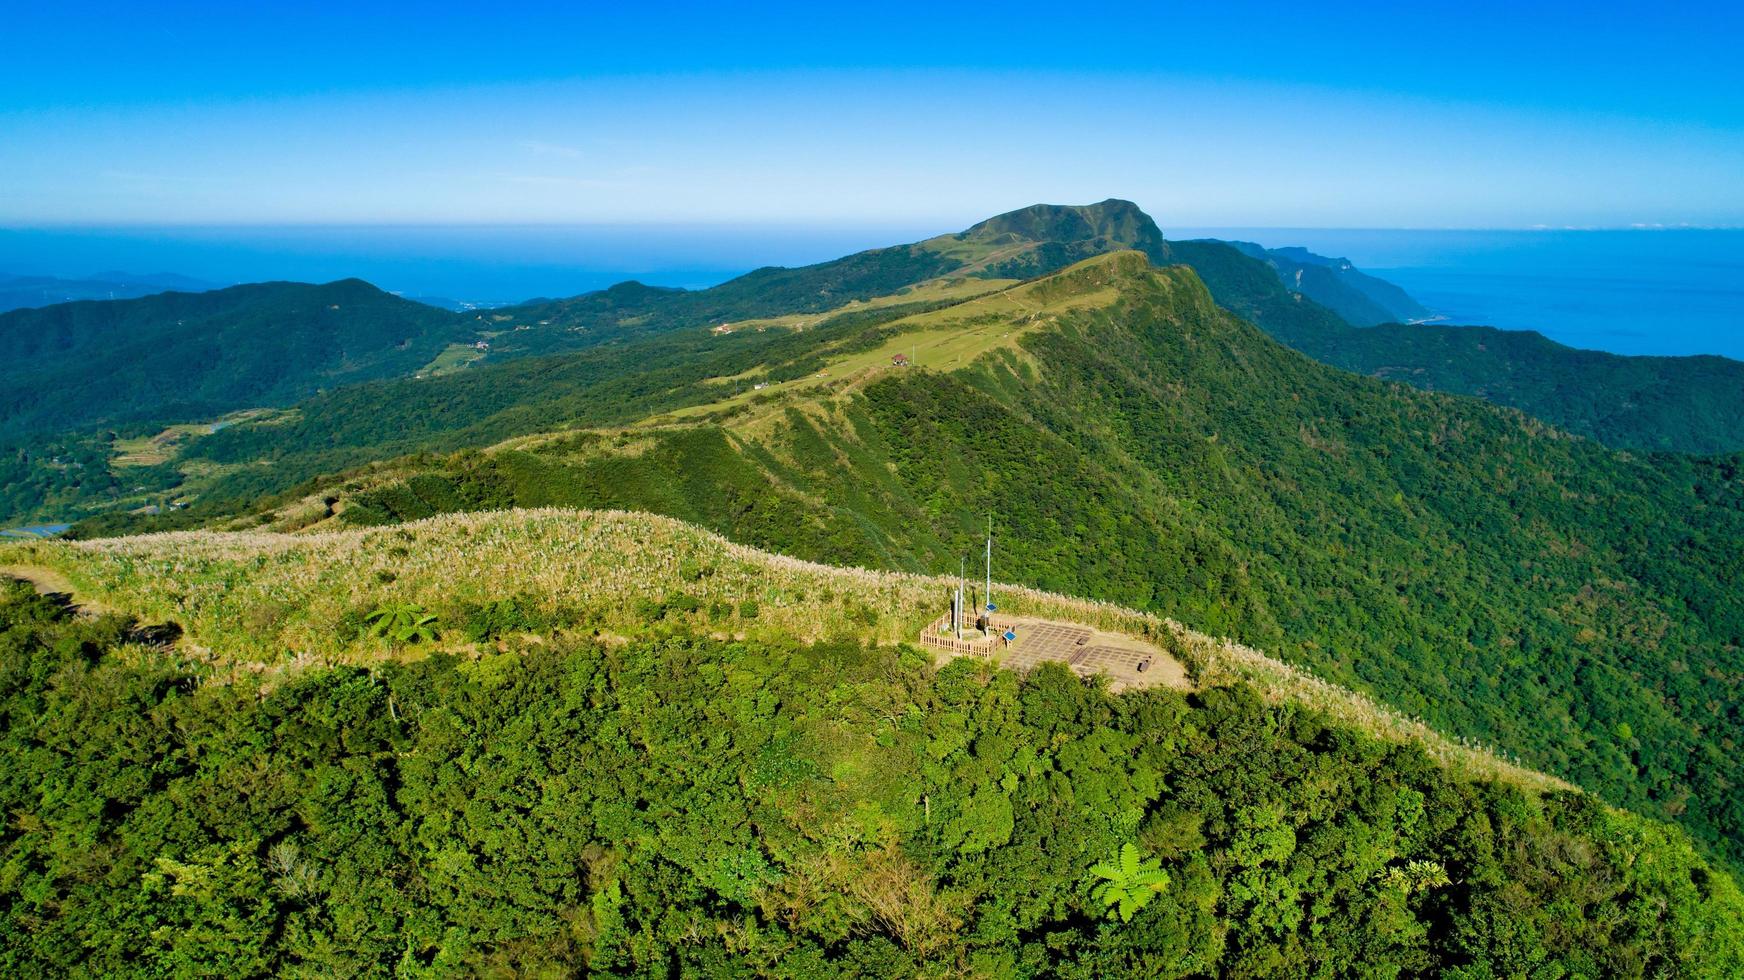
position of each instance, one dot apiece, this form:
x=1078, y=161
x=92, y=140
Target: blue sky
x=1228, y=114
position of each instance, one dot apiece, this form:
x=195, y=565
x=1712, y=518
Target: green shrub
x=491, y=621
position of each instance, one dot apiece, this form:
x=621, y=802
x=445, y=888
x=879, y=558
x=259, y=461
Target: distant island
x=20, y=292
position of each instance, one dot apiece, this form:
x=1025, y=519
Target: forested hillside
x=1134, y=442
x=594, y=776
x=1513, y=584
x=1359, y=299
x=1508, y=582
x=191, y=356
x=1682, y=404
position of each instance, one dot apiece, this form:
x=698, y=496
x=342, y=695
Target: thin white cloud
x=544, y=149
x=554, y=180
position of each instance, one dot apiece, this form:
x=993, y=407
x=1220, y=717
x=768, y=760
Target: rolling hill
x=630, y=746
x=180, y=357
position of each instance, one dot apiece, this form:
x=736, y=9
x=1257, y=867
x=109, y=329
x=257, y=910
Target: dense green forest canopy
x=682, y=806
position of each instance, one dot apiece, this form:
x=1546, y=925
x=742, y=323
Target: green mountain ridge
x=20, y=292
x=1030, y=242
x=1138, y=444
x=1689, y=404
x=186, y=356
x=173, y=376
x=1358, y=298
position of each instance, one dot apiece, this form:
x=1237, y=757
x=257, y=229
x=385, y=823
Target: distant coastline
x=1626, y=291
x=1647, y=291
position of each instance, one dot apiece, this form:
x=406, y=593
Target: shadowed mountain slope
x=1358, y=298
x=1681, y=404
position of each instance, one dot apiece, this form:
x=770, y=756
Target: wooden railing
x=934, y=636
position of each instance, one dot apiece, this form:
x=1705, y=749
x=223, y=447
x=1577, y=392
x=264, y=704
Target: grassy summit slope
x=620, y=756
x=1029, y=242
x=264, y=604
x=1137, y=444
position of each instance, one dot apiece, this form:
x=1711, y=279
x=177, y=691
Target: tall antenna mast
x=962, y=568
x=987, y=594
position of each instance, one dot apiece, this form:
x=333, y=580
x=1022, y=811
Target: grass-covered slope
x=1029, y=242
x=560, y=784
x=1681, y=404
x=265, y=605
x=190, y=356
x=1509, y=582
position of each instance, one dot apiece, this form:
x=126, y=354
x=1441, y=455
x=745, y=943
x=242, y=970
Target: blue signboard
x=1009, y=636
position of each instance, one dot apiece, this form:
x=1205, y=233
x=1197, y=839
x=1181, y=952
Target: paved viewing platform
x=1128, y=661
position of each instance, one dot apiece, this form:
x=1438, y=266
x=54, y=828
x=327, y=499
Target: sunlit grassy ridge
x=944, y=288
x=986, y=318
x=255, y=601
x=979, y=321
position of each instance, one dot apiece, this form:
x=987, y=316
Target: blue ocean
x=1649, y=291
x=491, y=264
x=1630, y=292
